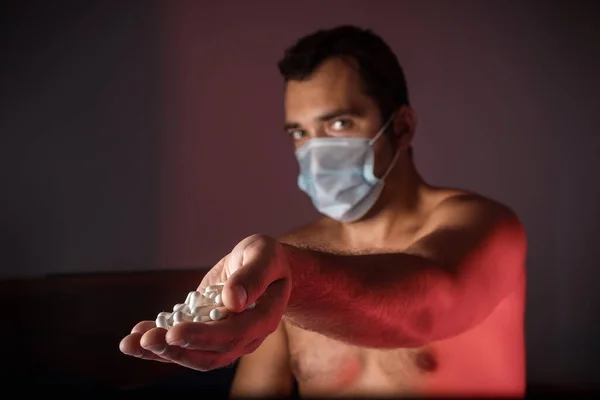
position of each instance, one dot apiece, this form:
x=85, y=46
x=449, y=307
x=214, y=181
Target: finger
x=235, y=297
x=213, y=276
x=254, y=272
x=202, y=360
x=153, y=341
x=143, y=327
x=130, y=345
x=266, y=315
x=216, y=336
x=150, y=356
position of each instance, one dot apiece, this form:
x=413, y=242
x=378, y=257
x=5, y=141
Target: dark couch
x=64, y=331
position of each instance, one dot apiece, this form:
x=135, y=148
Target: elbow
x=421, y=329
x=428, y=324
x=408, y=331
x=439, y=311
x=431, y=325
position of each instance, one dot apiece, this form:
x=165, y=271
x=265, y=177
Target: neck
x=395, y=209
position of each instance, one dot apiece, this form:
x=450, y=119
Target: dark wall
x=80, y=119
x=140, y=135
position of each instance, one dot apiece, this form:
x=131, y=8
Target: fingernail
x=241, y=295
x=180, y=343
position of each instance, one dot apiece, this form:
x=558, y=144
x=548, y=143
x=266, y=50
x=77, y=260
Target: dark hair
x=379, y=69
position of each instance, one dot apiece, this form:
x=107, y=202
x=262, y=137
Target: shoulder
x=475, y=213
x=456, y=205
x=464, y=225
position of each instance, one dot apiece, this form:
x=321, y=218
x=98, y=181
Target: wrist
x=296, y=269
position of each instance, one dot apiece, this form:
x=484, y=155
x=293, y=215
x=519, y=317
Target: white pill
x=202, y=318
x=201, y=302
x=212, y=296
x=181, y=307
x=177, y=317
x=202, y=311
x=217, y=314
x=167, y=315
x=218, y=300
x=193, y=303
x=180, y=316
x=251, y=306
x=190, y=298
x=217, y=287
x=193, y=299
x=161, y=322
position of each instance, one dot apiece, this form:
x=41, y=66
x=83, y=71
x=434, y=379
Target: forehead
x=335, y=84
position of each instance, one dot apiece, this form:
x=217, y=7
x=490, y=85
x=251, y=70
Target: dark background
x=146, y=135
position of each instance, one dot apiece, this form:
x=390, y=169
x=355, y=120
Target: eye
x=297, y=134
x=341, y=124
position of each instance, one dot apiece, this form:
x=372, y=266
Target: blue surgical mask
x=337, y=174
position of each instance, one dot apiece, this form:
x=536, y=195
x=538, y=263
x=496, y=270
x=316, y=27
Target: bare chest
x=319, y=361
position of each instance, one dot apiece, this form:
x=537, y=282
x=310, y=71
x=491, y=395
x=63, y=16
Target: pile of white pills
x=196, y=308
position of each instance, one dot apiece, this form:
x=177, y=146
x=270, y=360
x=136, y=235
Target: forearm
x=383, y=300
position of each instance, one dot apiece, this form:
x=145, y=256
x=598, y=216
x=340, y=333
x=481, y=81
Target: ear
x=405, y=124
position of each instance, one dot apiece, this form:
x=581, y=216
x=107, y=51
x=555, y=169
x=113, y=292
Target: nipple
x=426, y=361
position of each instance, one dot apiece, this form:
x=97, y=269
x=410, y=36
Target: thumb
x=251, y=274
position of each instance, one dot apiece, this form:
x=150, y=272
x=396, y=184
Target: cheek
x=384, y=153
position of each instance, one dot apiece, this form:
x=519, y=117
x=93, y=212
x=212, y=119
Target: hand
x=256, y=271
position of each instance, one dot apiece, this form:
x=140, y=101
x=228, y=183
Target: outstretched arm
x=452, y=278
x=442, y=285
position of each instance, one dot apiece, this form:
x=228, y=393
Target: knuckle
x=258, y=243
x=258, y=237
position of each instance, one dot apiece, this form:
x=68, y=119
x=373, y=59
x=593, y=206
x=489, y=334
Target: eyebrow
x=340, y=112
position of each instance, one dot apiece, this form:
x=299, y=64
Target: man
x=401, y=288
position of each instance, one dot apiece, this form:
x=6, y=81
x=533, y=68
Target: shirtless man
x=400, y=289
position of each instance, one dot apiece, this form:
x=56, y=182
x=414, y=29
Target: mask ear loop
x=385, y=126
x=389, y=169
x=397, y=152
